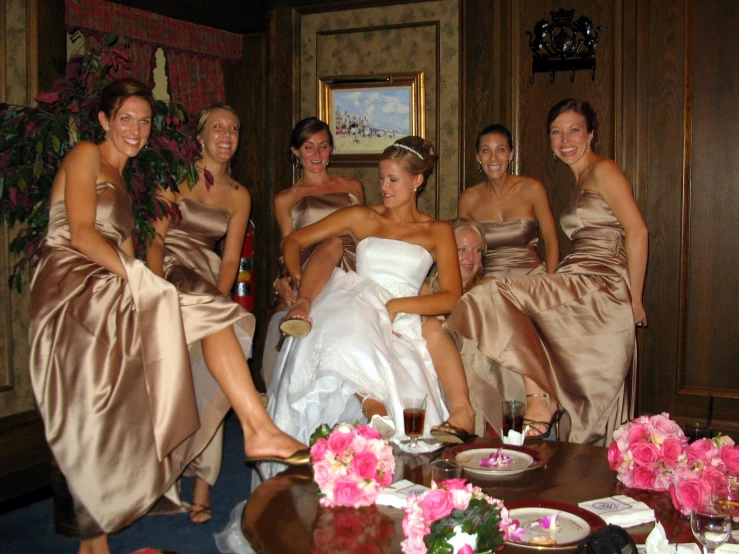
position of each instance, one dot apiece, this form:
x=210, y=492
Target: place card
x=396, y=495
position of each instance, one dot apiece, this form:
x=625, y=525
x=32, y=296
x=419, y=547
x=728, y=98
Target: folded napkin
x=727, y=548
x=425, y=445
x=396, y=494
x=657, y=543
x=620, y=510
x=514, y=437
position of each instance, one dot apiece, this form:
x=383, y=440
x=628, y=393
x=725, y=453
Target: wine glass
x=710, y=526
x=725, y=498
x=414, y=414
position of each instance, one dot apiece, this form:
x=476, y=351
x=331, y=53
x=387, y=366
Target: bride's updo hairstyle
x=117, y=92
x=415, y=154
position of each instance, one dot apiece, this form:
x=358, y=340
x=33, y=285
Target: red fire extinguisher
x=243, y=292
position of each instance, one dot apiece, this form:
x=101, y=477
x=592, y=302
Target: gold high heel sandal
x=553, y=422
x=295, y=326
x=299, y=458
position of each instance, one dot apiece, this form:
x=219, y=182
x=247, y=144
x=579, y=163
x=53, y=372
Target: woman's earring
x=296, y=161
x=555, y=158
x=479, y=167
x=415, y=189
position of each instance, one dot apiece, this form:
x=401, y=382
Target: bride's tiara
x=404, y=147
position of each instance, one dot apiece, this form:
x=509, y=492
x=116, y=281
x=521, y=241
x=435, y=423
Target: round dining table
x=283, y=515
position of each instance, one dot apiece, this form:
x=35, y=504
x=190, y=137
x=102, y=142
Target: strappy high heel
x=296, y=459
x=553, y=422
x=295, y=326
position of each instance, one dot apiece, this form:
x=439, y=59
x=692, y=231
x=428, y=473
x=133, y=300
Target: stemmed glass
x=725, y=498
x=710, y=526
x=414, y=414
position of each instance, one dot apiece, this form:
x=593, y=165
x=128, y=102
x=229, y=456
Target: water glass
x=725, y=498
x=513, y=411
x=414, y=415
x=710, y=526
x=441, y=470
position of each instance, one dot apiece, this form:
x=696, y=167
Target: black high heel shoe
x=536, y=425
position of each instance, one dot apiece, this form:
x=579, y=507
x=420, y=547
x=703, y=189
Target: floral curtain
x=195, y=82
x=194, y=53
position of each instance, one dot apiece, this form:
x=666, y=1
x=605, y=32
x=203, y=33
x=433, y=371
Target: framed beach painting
x=366, y=114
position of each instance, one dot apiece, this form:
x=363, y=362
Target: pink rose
x=318, y=450
x=385, y=478
x=643, y=478
x=455, y=484
x=638, y=433
x=644, y=453
x=347, y=493
x=701, y=450
x=359, y=444
x=368, y=432
x=687, y=494
x=730, y=457
x=614, y=455
x=466, y=549
x=461, y=498
x=437, y=504
x=365, y=464
x=664, y=426
x=322, y=475
x=671, y=450
x=339, y=441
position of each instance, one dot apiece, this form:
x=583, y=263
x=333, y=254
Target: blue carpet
x=30, y=529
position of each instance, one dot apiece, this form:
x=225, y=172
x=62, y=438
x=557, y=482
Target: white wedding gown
x=353, y=348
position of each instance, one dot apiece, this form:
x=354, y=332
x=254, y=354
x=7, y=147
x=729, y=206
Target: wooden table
x=282, y=515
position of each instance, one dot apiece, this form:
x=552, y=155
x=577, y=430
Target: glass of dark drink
x=695, y=431
x=513, y=411
x=414, y=415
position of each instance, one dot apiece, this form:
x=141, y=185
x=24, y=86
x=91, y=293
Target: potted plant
x=33, y=142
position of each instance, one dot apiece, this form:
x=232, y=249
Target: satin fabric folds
x=512, y=249
x=571, y=332
x=111, y=374
x=192, y=265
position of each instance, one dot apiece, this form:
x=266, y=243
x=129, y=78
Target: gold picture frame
x=367, y=113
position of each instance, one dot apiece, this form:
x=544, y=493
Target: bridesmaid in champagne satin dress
x=572, y=334
x=317, y=194
x=183, y=252
x=122, y=411
x=511, y=209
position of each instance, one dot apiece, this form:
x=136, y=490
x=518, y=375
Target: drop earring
x=555, y=158
x=479, y=167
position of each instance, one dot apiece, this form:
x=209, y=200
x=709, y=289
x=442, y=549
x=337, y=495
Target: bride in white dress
x=365, y=352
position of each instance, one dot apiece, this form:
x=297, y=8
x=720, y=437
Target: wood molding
x=32, y=39
x=3, y=53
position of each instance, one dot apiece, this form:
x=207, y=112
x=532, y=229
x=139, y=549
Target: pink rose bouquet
x=705, y=461
x=647, y=451
x=455, y=516
x=652, y=453
x=351, y=464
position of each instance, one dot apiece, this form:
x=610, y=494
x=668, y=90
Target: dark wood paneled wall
x=665, y=92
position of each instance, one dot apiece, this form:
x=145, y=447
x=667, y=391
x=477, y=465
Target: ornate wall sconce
x=564, y=44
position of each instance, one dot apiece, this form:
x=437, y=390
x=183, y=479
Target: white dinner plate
x=470, y=460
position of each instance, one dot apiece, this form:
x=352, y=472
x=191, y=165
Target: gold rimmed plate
x=469, y=456
x=574, y=524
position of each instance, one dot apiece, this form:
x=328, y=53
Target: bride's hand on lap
x=391, y=310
